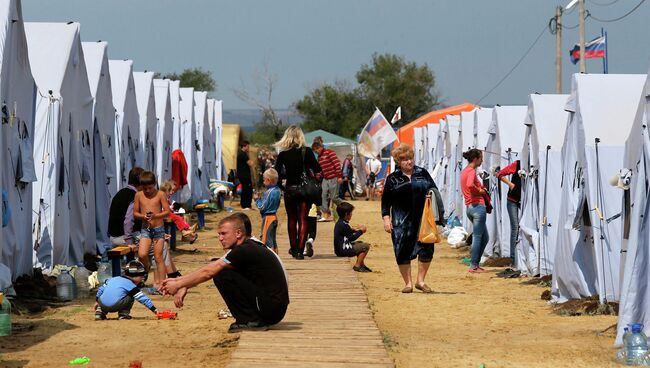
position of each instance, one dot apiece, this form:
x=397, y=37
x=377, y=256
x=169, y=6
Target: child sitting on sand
x=345, y=244
x=118, y=293
x=151, y=207
x=268, y=206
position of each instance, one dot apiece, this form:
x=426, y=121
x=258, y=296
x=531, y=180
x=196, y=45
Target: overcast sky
x=469, y=44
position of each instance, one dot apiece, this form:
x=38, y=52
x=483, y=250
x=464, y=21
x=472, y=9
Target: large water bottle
x=65, y=286
x=5, y=316
x=636, y=346
x=81, y=281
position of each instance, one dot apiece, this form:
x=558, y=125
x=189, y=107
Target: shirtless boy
x=151, y=206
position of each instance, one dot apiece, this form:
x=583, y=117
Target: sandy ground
x=471, y=319
x=197, y=339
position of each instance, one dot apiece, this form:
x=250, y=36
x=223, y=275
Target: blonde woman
x=293, y=159
x=402, y=203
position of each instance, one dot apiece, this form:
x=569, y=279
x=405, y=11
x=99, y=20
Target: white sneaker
x=309, y=248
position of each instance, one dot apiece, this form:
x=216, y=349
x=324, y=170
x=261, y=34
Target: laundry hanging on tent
x=179, y=168
x=25, y=171
x=6, y=209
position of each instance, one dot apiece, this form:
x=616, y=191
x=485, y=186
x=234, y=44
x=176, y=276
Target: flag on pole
x=397, y=116
x=376, y=135
x=593, y=49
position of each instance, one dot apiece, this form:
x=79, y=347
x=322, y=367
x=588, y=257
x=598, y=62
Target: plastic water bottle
x=104, y=272
x=65, y=286
x=621, y=354
x=81, y=281
x=5, y=316
x=636, y=346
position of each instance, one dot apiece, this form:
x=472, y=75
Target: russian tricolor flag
x=593, y=49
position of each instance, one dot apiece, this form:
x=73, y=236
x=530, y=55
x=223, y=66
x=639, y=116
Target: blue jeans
x=476, y=213
x=513, y=213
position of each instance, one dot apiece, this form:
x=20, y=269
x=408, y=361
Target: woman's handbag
x=310, y=189
x=428, y=233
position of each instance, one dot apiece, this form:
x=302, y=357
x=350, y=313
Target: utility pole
x=581, y=14
x=558, y=50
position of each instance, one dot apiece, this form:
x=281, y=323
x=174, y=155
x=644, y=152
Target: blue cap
x=636, y=327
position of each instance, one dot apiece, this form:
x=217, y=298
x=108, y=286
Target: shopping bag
x=428, y=233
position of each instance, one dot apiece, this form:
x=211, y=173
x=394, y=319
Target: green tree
x=390, y=81
x=387, y=82
x=337, y=108
x=197, y=78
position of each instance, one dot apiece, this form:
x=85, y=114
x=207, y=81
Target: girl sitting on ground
x=189, y=232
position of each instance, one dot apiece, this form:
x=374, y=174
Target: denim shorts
x=153, y=233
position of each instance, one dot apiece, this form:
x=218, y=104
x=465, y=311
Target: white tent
x=148, y=126
x=482, y=121
x=635, y=299
x=218, y=129
x=192, y=191
x=17, y=92
x=419, y=157
x=104, y=176
x=175, y=102
x=467, y=139
x=63, y=200
x=601, y=113
x=432, y=138
x=541, y=159
x=503, y=147
x=202, y=125
x=164, y=130
x=450, y=186
x=211, y=146
x=127, y=120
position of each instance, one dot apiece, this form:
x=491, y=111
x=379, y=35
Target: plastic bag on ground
x=457, y=237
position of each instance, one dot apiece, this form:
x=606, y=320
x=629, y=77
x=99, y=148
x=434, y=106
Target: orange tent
x=405, y=133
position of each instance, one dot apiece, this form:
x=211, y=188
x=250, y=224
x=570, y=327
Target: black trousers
x=246, y=301
x=246, y=192
x=344, y=187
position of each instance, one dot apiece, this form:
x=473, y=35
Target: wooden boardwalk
x=328, y=323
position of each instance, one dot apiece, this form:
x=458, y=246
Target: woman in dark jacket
x=294, y=158
x=402, y=203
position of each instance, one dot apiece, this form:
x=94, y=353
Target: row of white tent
x=74, y=123
x=591, y=236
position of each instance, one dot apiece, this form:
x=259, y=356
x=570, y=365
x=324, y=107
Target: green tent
x=329, y=139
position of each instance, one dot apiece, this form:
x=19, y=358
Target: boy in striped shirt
x=331, y=175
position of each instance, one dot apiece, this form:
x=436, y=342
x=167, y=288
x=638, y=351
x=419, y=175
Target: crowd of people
x=250, y=276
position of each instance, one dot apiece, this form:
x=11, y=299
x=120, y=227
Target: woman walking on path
x=474, y=193
x=402, y=203
x=294, y=158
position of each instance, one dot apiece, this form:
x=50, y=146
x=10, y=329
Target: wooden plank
x=315, y=332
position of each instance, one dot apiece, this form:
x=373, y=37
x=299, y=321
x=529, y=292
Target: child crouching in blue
x=268, y=206
x=118, y=293
x=345, y=244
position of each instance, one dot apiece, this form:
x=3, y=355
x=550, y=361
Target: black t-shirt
x=243, y=170
x=262, y=267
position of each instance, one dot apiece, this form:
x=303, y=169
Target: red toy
x=166, y=314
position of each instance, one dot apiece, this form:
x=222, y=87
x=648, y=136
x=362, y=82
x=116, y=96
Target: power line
x=604, y=4
x=619, y=18
x=516, y=64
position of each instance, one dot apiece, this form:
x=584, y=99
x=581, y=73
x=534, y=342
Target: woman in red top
x=474, y=193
